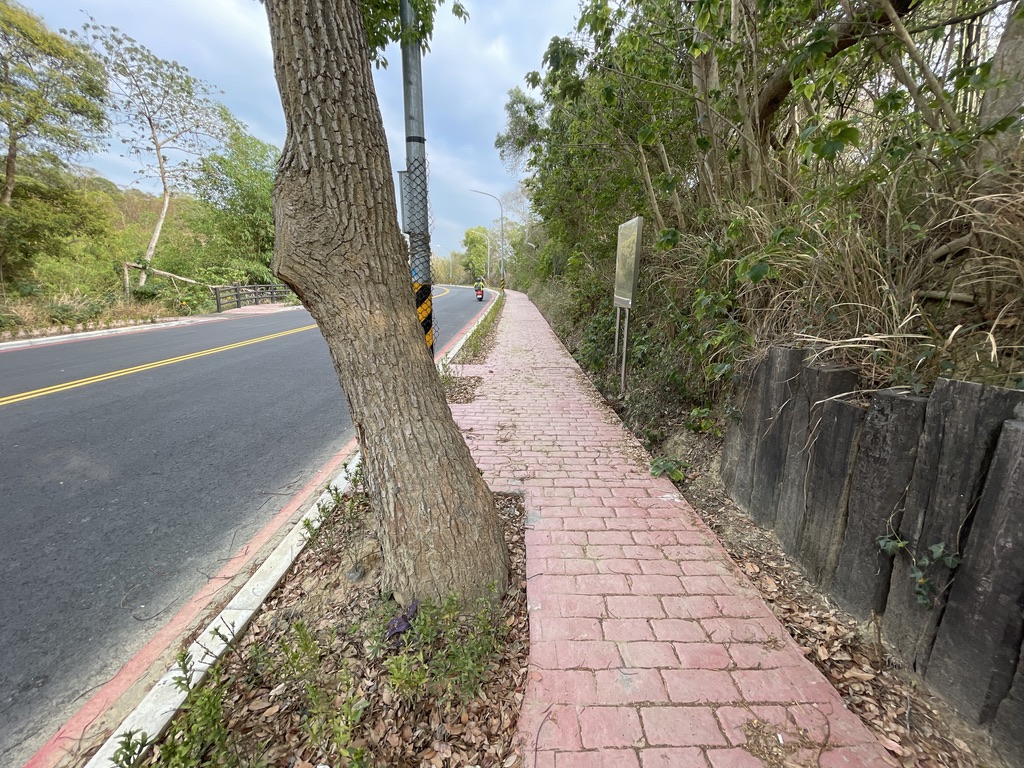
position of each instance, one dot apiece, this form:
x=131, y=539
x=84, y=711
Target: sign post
x=627, y=271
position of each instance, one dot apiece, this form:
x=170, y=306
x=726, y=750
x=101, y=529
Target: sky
x=466, y=78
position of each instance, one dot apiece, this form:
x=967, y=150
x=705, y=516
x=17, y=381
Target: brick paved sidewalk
x=648, y=647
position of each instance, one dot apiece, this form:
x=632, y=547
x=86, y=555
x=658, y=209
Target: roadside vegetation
x=76, y=250
x=842, y=176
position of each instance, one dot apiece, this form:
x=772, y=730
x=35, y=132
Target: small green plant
x=330, y=719
x=671, y=468
x=199, y=736
x=924, y=585
x=702, y=420
x=445, y=649
x=131, y=746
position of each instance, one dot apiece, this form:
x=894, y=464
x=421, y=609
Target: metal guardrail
x=235, y=296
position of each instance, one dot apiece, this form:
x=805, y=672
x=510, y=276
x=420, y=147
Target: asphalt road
x=132, y=465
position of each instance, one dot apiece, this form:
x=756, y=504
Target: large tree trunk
x=338, y=245
x=1005, y=98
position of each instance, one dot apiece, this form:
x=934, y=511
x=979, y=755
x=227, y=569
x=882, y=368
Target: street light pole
x=501, y=255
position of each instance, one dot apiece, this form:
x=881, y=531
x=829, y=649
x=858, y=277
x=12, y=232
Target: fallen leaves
x=273, y=717
x=914, y=727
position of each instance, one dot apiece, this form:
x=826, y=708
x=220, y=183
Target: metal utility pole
x=415, y=207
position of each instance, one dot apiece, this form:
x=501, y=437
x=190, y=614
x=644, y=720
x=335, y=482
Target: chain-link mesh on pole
x=415, y=200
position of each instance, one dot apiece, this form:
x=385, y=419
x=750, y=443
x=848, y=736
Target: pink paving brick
x=732, y=758
x=549, y=726
x=604, y=727
x=598, y=538
x=630, y=686
x=761, y=656
x=620, y=565
x=603, y=584
x=580, y=566
x=578, y=605
x=625, y=630
x=706, y=585
x=634, y=607
x=734, y=719
x=691, y=607
x=673, y=757
x=703, y=656
x=660, y=567
x=742, y=607
x=602, y=758
x=681, y=726
x=656, y=538
x=678, y=630
x=802, y=683
x=587, y=654
x=562, y=628
x=743, y=630
x=654, y=585
x=699, y=686
x=561, y=686
x=651, y=655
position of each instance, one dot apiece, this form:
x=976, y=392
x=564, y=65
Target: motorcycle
x=479, y=294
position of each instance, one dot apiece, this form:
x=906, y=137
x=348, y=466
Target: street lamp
x=501, y=256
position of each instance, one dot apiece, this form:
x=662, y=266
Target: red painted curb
x=74, y=730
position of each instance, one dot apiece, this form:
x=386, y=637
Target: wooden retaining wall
x=831, y=471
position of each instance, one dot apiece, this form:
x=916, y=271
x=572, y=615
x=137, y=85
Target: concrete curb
x=154, y=713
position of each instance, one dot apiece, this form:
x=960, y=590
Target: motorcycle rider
x=479, y=284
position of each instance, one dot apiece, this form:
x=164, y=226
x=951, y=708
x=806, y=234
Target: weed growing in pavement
x=130, y=748
x=347, y=512
x=199, y=736
x=447, y=374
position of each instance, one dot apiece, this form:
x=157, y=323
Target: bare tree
x=167, y=117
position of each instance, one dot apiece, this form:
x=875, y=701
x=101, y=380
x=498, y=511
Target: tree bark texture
x=1006, y=96
x=338, y=245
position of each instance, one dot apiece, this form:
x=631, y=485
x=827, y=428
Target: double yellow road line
x=140, y=368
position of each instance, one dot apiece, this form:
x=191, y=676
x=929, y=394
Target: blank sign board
x=626, y=262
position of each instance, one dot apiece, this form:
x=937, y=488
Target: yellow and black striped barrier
x=425, y=312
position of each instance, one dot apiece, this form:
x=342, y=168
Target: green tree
x=48, y=214
x=166, y=118
x=821, y=169
x=339, y=245
x=235, y=186
x=477, y=254
x=52, y=91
